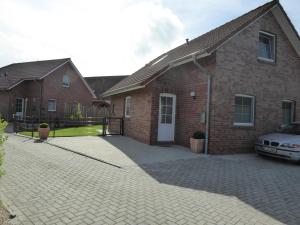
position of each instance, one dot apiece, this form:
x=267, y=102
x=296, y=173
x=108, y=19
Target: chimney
x=187, y=41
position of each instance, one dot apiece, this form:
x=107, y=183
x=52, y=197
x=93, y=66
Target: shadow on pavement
x=268, y=185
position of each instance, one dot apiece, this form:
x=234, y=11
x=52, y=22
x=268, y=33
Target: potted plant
x=44, y=131
x=197, y=142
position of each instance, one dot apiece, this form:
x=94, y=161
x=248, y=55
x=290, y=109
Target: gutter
x=119, y=91
x=205, y=72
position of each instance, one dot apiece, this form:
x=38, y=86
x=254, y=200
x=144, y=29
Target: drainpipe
x=205, y=72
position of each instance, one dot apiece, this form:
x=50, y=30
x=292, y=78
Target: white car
x=279, y=145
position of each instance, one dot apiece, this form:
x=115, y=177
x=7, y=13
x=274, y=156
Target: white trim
x=243, y=124
x=51, y=71
x=265, y=59
x=121, y=91
x=237, y=33
x=170, y=65
x=126, y=105
x=186, y=56
x=40, y=78
x=252, y=111
x=273, y=38
x=287, y=27
x=199, y=55
x=292, y=110
x=19, y=82
x=48, y=105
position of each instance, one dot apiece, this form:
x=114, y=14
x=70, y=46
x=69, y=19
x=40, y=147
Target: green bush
x=3, y=138
x=199, y=135
x=44, y=125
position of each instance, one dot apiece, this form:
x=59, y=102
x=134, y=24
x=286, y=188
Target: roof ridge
x=108, y=76
x=271, y=4
x=36, y=61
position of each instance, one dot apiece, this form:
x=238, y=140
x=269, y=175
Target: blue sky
x=111, y=37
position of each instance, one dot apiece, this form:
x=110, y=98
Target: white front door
x=19, y=108
x=166, y=118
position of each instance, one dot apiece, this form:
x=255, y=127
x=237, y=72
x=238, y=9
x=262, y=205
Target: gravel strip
x=4, y=216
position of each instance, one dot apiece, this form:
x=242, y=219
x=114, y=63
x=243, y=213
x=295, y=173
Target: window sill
x=243, y=125
x=265, y=60
x=65, y=86
x=51, y=110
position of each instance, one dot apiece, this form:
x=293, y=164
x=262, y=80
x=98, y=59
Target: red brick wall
x=28, y=90
x=138, y=126
x=143, y=123
x=181, y=81
x=53, y=89
x=239, y=72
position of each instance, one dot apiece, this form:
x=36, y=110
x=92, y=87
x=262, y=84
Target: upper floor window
x=266, y=46
x=51, y=105
x=287, y=112
x=127, y=106
x=66, y=81
x=244, y=110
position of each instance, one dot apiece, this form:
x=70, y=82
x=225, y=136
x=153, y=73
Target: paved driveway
x=123, y=151
x=47, y=185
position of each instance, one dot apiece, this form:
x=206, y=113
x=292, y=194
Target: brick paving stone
x=47, y=185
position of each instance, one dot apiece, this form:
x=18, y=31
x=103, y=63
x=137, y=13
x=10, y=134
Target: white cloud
x=102, y=37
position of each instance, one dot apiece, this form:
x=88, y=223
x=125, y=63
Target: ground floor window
x=244, y=110
x=127, y=106
x=287, y=112
x=51, y=105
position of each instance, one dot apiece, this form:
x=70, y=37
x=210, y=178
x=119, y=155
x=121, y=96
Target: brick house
x=41, y=88
x=234, y=83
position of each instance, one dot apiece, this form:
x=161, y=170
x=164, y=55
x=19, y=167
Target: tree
x=3, y=138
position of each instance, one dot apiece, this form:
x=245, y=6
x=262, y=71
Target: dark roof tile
x=15, y=73
x=208, y=41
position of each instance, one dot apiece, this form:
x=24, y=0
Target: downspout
x=204, y=71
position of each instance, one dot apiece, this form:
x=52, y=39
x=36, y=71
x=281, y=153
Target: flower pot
x=197, y=145
x=44, y=133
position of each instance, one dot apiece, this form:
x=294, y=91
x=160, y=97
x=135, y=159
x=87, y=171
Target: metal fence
x=109, y=125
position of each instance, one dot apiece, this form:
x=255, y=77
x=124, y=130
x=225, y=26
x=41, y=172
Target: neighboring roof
x=100, y=84
x=207, y=42
x=15, y=73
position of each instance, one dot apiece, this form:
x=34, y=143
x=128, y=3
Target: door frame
x=173, y=115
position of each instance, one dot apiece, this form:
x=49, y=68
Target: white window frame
x=292, y=111
x=253, y=111
x=66, y=85
x=273, y=36
x=127, y=105
x=54, y=100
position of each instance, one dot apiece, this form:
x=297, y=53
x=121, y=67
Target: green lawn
x=93, y=130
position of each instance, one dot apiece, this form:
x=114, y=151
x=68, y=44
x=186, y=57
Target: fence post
x=104, y=126
x=32, y=128
x=122, y=126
